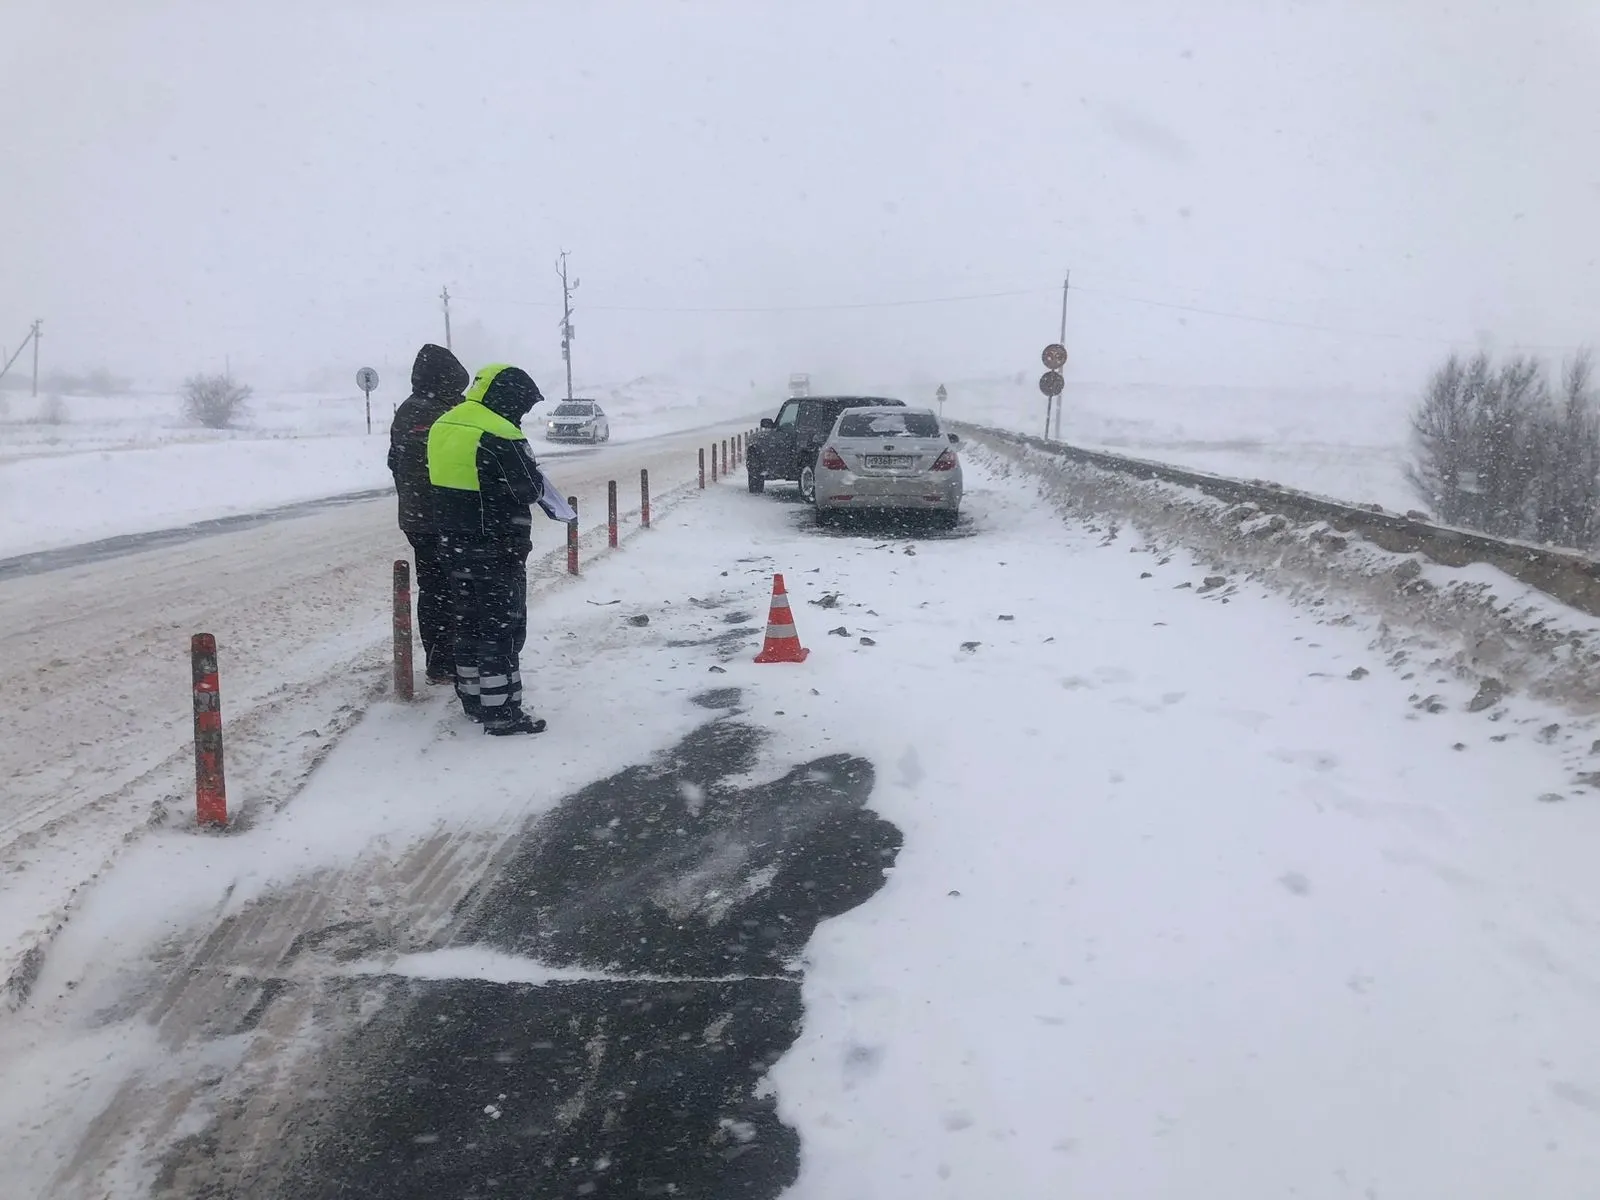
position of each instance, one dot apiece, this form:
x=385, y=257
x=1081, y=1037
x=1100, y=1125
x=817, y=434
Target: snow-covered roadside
x=65, y=499
x=1182, y=908
x=126, y=465
x=1347, y=443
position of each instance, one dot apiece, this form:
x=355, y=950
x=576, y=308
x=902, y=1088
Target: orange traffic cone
x=783, y=643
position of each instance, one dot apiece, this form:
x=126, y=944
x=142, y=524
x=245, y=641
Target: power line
x=1286, y=323
x=776, y=308
x=1169, y=305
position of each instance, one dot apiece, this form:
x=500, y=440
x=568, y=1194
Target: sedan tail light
x=945, y=462
x=831, y=460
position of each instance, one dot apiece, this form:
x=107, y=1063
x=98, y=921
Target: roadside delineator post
x=611, y=513
x=404, y=683
x=782, y=644
x=702, y=468
x=724, y=456
x=572, y=537
x=210, y=789
x=713, y=462
x=644, y=497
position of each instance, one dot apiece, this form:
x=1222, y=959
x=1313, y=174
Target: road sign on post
x=941, y=396
x=1051, y=383
x=367, y=380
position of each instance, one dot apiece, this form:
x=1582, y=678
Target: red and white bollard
x=404, y=683
x=644, y=498
x=572, y=537
x=210, y=789
x=611, y=513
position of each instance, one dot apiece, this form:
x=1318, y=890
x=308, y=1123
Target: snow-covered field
x=1193, y=900
x=1348, y=444
x=130, y=464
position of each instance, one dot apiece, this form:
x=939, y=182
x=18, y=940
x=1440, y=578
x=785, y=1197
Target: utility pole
x=566, y=318
x=17, y=353
x=1065, y=285
x=445, y=296
x=38, y=325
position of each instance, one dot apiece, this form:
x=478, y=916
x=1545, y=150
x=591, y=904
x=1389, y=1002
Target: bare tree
x=215, y=401
x=1492, y=450
x=1440, y=428
x=1567, y=491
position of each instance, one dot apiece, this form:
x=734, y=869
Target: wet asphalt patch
x=727, y=697
x=690, y=894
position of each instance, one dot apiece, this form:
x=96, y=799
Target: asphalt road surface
x=640, y=1081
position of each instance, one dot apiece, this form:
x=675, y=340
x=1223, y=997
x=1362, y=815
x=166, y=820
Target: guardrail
x=1568, y=575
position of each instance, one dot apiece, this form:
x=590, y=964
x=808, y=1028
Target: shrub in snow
x=1494, y=449
x=215, y=401
x=52, y=410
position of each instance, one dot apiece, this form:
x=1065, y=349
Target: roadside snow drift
x=129, y=464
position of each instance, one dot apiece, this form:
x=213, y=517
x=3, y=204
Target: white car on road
x=889, y=458
x=578, y=421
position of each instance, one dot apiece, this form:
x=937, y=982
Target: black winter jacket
x=498, y=517
x=437, y=380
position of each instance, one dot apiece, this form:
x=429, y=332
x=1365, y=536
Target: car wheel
x=808, y=484
x=827, y=518
x=755, y=481
x=948, y=520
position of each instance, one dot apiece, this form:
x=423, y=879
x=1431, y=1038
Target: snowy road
x=1183, y=893
x=96, y=742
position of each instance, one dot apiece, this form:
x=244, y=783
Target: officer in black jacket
x=437, y=378
x=485, y=484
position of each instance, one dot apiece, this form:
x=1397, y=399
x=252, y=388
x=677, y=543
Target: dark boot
x=512, y=720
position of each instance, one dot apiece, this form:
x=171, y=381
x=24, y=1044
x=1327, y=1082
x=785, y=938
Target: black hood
x=511, y=392
x=437, y=372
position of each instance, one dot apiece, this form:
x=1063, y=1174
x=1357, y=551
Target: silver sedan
x=889, y=458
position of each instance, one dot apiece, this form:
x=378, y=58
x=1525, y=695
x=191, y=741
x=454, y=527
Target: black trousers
x=489, y=607
x=433, y=604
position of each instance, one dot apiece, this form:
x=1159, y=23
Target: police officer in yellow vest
x=485, y=484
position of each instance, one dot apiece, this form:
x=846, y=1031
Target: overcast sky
x=289, y=185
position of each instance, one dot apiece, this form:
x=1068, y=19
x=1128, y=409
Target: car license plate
x=888, y=462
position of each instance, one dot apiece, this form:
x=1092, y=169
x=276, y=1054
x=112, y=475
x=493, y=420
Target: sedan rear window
x=574, y=410
x=816, y=416
x=874, y=425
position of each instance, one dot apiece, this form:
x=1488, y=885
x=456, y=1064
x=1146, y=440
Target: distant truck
x=799, y=385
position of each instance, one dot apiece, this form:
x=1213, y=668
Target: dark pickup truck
x=786, y=447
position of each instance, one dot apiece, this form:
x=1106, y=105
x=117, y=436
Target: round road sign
x=367, y=379
x=1051, y=383
x=1055, y=356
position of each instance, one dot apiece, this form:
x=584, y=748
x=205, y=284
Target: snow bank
x=1347, y=444
x=64, y=499
x=129, y=464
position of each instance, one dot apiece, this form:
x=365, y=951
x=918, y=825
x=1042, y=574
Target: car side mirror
x=954, y=439
x=768, y=423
